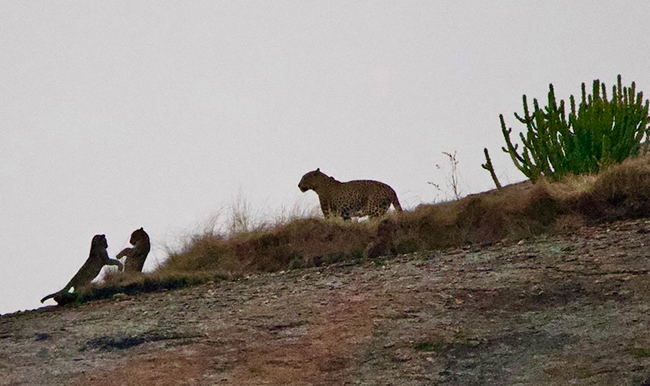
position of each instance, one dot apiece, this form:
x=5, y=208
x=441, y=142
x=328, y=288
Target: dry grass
x=135, y=283
x=301, y=240
x=622, y=191
x=298, y=243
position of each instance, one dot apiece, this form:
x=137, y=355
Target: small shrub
x=452, y=177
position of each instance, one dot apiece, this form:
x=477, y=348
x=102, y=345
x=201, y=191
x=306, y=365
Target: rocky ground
x=557, y=310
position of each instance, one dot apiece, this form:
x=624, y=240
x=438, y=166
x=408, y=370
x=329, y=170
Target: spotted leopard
x=350, y=199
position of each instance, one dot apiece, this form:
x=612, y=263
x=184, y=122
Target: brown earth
x=555, y=310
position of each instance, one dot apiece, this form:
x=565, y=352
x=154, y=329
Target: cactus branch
x=488, y=166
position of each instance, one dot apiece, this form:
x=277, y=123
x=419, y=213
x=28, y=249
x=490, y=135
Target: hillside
x=551, y=310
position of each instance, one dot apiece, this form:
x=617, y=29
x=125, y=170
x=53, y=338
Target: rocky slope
x=558, y=310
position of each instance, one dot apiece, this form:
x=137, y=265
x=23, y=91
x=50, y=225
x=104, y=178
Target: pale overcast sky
x=121, y=114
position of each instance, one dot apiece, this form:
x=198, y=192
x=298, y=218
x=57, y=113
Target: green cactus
x=596, y=133
x=488, y=166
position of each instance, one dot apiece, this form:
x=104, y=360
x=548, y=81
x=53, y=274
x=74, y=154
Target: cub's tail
x=50, y=296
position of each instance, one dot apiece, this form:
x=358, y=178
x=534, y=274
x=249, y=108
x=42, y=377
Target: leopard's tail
x=396, y=203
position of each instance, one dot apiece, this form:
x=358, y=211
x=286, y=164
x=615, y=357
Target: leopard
x=136, y=256
x=97, y=259
x=358, y=198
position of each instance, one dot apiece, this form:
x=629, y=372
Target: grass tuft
x=430, y=345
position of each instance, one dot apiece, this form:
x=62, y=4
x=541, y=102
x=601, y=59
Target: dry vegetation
x=515, y=212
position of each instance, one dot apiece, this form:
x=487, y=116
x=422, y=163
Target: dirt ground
x=556, y=310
